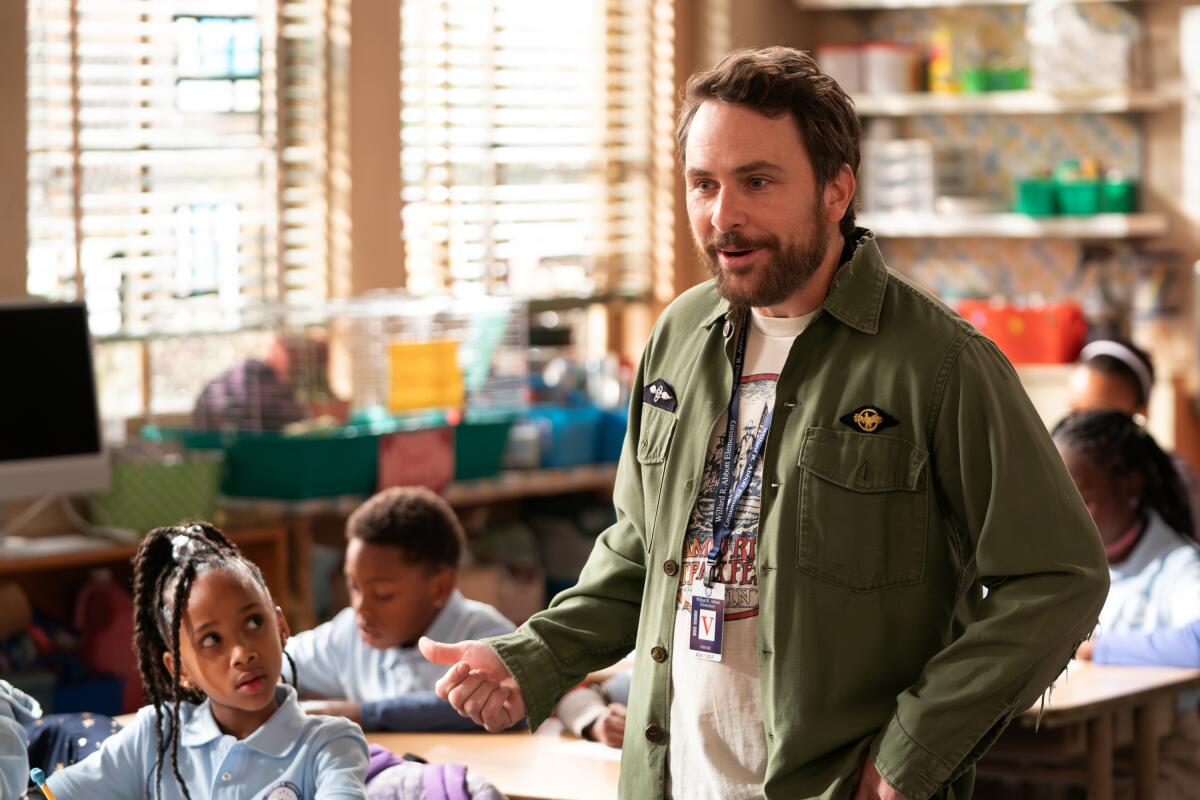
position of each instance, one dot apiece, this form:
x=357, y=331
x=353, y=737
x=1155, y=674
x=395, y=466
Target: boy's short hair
x=414, y=519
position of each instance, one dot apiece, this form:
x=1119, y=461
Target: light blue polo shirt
x=16, y=709
x=334, y=661
x=293, y=756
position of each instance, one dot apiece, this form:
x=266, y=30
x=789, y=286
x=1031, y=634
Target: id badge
x=708, y=619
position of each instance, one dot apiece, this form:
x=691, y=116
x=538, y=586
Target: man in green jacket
x=805, y=585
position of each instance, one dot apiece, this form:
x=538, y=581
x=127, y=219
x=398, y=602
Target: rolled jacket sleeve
x=1021, y=531
x=594, y=623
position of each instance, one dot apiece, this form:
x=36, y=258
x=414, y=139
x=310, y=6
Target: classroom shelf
x=1015, y=226
x=519, y=484
x=906, y=104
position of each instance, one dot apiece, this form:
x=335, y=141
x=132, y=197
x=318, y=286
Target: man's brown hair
x=413, y=519
x=775, y=81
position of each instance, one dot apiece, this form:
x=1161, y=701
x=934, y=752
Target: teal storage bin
x=1079, y=198
x=569, y=435
x=479, y=442
x=1118, y=197
x=613, y=424
x=342, y=461
x=1036, y=197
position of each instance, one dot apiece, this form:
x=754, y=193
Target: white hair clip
x=182, y=546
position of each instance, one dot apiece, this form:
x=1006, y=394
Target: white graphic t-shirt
x=718, y=746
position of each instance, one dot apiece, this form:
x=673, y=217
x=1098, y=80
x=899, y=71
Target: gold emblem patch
x=869, y=419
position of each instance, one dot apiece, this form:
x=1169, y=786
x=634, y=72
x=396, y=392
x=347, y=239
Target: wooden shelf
x=1015, y=226
x=519, y=484
x=265, y=546
x=1026, y=102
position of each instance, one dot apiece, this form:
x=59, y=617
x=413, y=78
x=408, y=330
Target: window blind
x=532, y=138
x=172, y=164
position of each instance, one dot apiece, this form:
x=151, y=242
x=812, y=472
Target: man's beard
x=780, y=273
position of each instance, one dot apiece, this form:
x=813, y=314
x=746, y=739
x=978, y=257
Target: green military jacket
x=874, y=547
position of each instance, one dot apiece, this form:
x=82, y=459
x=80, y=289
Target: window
x=169, y=161
x=533, y=144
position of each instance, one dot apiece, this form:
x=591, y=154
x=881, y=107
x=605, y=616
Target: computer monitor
x=50, y=440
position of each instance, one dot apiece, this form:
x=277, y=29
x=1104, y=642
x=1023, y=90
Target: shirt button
x=655, y=734
x=658, y=653
x=688, y=484
x=670, y=567
x=227, y=776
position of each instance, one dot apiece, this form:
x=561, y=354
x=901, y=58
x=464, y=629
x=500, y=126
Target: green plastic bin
x=344, y=461
x=479, y=442
x=1079, y=198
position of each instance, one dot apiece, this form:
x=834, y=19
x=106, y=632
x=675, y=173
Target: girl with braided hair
x=209, y=640
x=1144, y=518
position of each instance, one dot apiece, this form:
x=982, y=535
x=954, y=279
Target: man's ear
x=284, y=631
x=839, y=193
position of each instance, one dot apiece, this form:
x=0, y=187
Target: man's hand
x=872, y=786
x=334, y=708
x=609, y=727
x=478, y=685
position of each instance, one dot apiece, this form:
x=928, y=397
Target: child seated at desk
x=402, y=554
x=1142, y=513
x=209, y=640
x=1116, y=375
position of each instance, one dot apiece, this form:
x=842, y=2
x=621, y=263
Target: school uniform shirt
x=292, y=756
x=716, y=707
x=394, y=685
x=1158, y=586
x=16, y=709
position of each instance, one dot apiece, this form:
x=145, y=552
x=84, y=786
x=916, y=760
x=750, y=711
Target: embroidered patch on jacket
x=659, y=394
x=284, y=791
x=869, y=419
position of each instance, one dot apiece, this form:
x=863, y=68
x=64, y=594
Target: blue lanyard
x=729, y=493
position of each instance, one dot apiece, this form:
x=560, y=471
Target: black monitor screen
x=48, y=396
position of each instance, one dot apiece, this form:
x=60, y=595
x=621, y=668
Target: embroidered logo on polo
x=660, y=394
x=869, y=419
x=283, y=791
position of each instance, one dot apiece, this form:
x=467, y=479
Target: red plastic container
x=1047, y=334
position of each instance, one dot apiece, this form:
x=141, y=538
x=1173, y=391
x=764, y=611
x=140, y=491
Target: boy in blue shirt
x=402, y=555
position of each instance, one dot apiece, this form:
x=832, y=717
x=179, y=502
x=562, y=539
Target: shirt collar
x=856, y=295
x=1157, y=541
x=275, y=737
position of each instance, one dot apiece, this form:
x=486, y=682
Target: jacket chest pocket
x=863, y=509
x=654, y=442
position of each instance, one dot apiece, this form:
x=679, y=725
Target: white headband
x=1107, y=347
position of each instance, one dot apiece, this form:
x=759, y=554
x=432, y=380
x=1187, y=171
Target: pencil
x=39, y=778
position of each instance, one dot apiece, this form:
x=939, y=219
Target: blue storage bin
x=613, y=423
x=568, y=434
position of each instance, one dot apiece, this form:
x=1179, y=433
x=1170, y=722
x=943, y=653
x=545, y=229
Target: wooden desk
x=524, y=766
x=1090, y=713
x=52, y=581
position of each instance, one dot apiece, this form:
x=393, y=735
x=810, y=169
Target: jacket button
x=670, y=567
x=658, y=653
x=655, y=734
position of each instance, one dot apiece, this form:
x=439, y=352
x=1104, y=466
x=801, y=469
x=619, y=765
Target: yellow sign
x=424, y=375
